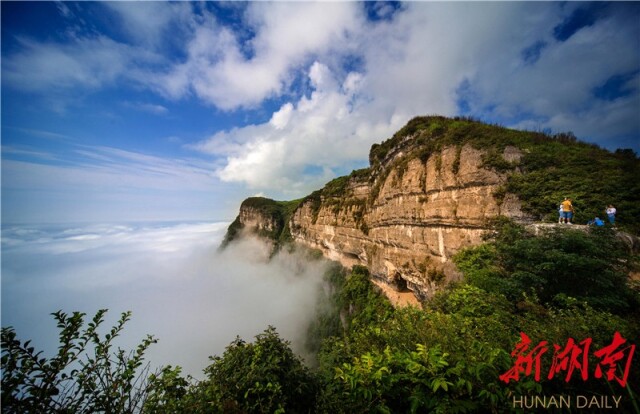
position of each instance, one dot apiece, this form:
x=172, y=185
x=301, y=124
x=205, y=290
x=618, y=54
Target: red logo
x=571, y=358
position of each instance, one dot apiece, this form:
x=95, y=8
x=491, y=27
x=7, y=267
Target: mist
x=192, y=298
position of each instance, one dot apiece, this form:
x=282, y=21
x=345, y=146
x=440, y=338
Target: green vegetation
x=445, y=358
x=260, y=377
x=278, y=212
x=591, y=267
x=590, y=176
x=552, y=166
x=86, y=375
x=449, y=356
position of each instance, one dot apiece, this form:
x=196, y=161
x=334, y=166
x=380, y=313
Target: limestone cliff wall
x=407, y=219
x=428, y=193
x=256, y=220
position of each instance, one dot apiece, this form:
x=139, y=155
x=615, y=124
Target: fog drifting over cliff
x=194, y=299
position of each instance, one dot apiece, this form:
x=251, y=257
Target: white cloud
x=63, y=9
x=345, y=113
x=353, y=83
x=219, y=71
x=147, y=107
x=343, y=82
x=100, y=168
x=147, y=22
x=90, y=63
x=557, y=90
x=281, y=118
x=409, y=67
x=193, y=299
x=325, y=131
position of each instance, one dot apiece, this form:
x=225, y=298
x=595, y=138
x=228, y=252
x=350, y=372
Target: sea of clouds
x=180, y=288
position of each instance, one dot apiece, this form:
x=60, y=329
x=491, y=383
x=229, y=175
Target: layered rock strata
x=430, y=191
x=407, y=219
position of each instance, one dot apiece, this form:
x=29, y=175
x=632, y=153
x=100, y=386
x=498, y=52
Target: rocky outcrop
x=409, y=215
x=431, y=190
x=262, y=217
x=256, y=220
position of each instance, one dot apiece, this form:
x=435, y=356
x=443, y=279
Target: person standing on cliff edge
x=567, y=210
x=560, y=218
x=611, y=214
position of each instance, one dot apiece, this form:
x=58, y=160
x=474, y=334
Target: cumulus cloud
x=223, y=71
x=179, y=288
x=345, y=113
x=325, y=132
x=281, y=118
x=337, y=81
x=410, y=67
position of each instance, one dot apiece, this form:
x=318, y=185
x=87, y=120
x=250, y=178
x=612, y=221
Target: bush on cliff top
x=279, y=212
x=552, y=166
x=591, y=267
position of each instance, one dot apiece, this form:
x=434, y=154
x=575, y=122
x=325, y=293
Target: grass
x=280, y=212
x=552, y=167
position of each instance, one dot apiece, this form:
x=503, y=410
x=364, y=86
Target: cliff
x=263, y=217
x=429, y=192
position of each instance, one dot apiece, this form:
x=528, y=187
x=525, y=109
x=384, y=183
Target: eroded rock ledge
x=430, y=191
x=407, y=223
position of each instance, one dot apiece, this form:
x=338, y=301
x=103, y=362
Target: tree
x=85, y=376
x=260, y=377
x=589, y=266
x=170, y=393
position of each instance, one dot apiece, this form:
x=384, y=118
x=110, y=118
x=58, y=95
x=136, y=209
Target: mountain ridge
x=431, y=191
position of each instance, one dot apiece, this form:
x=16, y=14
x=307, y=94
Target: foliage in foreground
x=86, y=375
x=449, y=356
x=445, y=358
x=260, y=377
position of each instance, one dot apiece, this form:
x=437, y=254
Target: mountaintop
x=432, y=190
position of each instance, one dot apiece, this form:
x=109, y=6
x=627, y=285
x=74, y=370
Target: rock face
x=262, y=217
x=255, y=219
x=422, y=200
x=430, y=191
x=409, y=217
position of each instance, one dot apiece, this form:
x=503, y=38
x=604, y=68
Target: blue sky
x=127, y=111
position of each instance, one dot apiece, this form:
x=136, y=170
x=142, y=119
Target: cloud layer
x=416, y=64
x=193, y=299
x=102, y=184
x=333, y=78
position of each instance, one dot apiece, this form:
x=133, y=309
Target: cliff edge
x=431, y=190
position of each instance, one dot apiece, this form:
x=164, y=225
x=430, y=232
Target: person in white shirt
x=611, y=214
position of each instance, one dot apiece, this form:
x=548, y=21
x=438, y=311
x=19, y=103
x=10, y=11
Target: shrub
x=260, y=377
x=85, y=376
x=589, y=266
